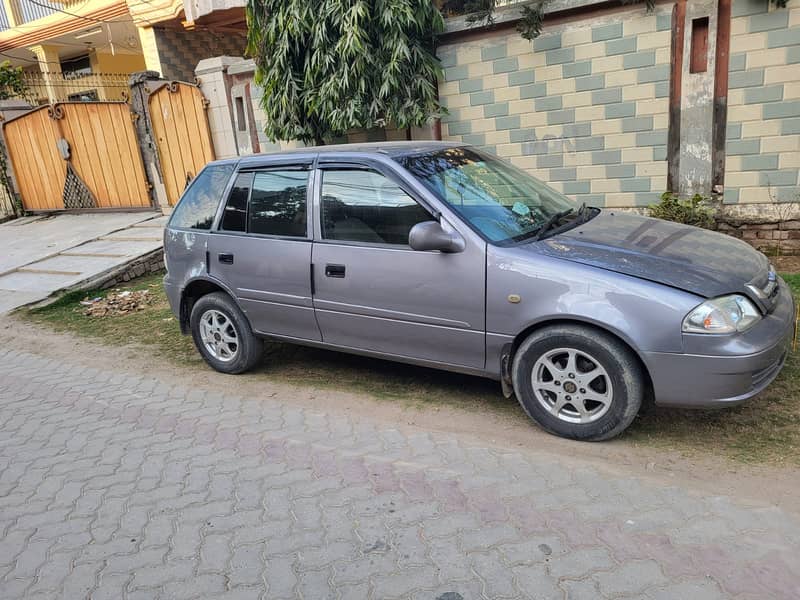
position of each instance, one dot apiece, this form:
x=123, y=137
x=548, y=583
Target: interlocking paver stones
x=114, y=485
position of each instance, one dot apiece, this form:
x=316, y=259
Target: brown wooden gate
x=77, y=155
x=180, y=129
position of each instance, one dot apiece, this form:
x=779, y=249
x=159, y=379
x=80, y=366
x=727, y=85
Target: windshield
x=502, y=202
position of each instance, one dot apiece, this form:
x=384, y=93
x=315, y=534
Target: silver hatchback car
x=442, y=255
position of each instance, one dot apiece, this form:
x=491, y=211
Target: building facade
x=84, y=50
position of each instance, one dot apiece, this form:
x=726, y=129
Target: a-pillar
x=50, y=66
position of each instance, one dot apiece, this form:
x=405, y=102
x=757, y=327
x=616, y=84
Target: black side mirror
x=429, y=235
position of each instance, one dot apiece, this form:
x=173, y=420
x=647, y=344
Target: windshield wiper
x=584, y=213
x=551, y=222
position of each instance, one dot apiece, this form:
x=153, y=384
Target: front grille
x=766, y=288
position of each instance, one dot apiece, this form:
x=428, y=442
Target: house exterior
x=84, y=50
x=64, y=46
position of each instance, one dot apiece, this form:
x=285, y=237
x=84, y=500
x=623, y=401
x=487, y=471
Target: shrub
x=693, y=211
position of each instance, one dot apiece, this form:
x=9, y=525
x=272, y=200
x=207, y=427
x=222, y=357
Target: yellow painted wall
x=120, y=63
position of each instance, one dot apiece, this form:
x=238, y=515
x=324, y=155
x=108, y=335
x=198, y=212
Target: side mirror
x=430, y=235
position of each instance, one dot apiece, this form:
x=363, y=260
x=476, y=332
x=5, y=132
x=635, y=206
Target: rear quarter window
x=199, y=202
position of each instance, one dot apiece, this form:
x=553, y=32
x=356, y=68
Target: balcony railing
x=5, y=25
x=43, y=88
x=31, y=10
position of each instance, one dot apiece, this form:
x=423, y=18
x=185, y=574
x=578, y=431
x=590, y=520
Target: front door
x=373, y=292
x=262, y=251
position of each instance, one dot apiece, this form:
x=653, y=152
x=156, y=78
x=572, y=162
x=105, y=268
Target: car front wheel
x=223, y=335
x=578, y=382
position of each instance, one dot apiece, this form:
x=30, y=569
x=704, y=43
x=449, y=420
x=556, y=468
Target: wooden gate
x=180, y=129
x=77, y=155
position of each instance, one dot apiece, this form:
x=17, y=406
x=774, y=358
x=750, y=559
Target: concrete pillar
x=152, y=60
x=215, y=83
x=697, y=105
x=50, y=67
x=140, y=109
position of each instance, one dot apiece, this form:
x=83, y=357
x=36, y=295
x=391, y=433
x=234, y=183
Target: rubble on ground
x=117, y=303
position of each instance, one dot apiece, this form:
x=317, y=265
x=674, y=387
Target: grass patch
x=765, y=430
x=157, y=329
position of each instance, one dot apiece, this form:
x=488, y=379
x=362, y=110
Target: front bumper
x=732, y=370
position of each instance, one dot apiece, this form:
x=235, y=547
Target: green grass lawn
x=765, y=430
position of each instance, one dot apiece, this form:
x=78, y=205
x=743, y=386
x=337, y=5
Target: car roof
x=391, y=149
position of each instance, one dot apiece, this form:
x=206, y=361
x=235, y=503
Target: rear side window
x=365, y=206
x=278, y=204
x=199, y=203
x=234, y=218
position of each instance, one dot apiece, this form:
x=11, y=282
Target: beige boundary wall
x=585, y=107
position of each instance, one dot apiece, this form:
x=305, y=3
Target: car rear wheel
x=578, y=382
x=223, y=335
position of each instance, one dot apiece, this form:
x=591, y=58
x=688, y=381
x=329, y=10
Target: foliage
x=11, y=82
x=693, y=211
x=328, y=66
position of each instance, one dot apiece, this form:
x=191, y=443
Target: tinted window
x=235, y=216
x=278, y=203
x=199, y=203
x=365, y=206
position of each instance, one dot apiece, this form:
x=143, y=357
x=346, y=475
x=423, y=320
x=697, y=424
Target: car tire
x=223, y=336
x=578, y=382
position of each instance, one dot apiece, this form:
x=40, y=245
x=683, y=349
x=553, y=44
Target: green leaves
x=329, y=66
x=11, y=82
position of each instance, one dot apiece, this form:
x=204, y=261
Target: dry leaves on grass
x=118, y=303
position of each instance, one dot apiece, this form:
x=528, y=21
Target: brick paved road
x=117, y=486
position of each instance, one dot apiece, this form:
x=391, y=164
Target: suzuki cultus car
x=442, y=255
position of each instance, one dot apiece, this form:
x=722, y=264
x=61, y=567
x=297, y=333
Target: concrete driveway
x=117, y=484
x=44, y=254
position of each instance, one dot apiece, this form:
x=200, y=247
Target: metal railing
x=5, y=25
x=31, y=10
x=45, y=88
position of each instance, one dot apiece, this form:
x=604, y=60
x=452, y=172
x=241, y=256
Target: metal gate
x=77, y=155
x=180, y=128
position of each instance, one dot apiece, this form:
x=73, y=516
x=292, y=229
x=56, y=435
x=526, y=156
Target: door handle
x=225, y=258
x=334, y=271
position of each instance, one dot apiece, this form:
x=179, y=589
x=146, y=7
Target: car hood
x=696, y=260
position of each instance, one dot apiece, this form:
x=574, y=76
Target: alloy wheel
x=572, y=385
x=219, y=335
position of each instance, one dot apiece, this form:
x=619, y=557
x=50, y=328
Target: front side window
x=502, y=202
x=278, y=204
x=365, y=206
x=199, y=203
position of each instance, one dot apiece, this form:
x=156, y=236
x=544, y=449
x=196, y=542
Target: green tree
x=328, y=66
x=11, y=82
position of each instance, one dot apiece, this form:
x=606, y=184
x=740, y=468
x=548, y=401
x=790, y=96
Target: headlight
x=722, y=315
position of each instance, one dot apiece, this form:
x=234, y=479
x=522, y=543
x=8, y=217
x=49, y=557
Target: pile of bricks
x=771, y=237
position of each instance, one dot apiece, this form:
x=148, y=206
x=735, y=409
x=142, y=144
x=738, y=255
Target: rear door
x=262, y=249
x=373, y=292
